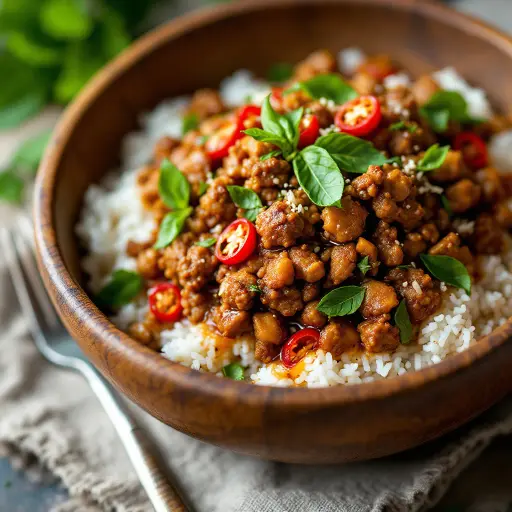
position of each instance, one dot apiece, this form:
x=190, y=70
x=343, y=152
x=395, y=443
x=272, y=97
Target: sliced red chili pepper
x=359, y=117
x=473, y=148
x=217, y=146
x=236, y=243
x=379, y=67
x=309, y=130
x=298, y=345
x=165, y=302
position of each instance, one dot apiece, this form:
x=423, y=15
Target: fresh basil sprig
x=271, y=154
x=11, y=187
x=433, y=158
x=124, y=286
x=364, y=265
x=233, y=371
x=403, y=322
x=280, y=130
x=319, y=176
x=207, y=242
x=173, y=187
x=189, y=122
x=254, y=288
x=446, y=205
x=352, y=154
x=342, y=301
x=448, y=269
x=247, y=199
x=445, y=106
x=174, y=190
x=329, y=86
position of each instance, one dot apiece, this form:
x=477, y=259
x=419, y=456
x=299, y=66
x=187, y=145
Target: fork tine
x=24, y=244
x=20, y=287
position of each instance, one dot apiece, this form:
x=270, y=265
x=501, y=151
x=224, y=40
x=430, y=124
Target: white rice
x=113, y=214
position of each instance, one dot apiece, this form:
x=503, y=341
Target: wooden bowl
x=293, y=425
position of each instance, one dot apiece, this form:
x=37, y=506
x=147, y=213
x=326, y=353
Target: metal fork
x=57, y=346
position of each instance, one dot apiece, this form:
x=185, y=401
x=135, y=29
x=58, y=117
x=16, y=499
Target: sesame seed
x=405, y=284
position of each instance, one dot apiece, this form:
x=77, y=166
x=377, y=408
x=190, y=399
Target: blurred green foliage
x=50, y=48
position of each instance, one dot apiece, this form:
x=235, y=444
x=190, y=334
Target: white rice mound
x=113, y=214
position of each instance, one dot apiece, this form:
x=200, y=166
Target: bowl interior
x=196, y=54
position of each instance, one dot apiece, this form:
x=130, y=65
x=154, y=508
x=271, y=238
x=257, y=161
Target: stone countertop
x=486, y=481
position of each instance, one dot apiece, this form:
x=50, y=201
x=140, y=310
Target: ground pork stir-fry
x=333, y=216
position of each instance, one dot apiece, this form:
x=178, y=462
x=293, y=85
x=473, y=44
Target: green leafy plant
x=449, y=270
x=433, y=158
x=342, y=301
x=246, y=199
x=123, y=287
x=403, y=322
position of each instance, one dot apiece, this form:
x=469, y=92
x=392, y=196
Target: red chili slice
x=165, y=302
x=310, y=130
x=298, y=345
x=217, y=146
x=473, y=148
x=236, y=243
x=359, y=117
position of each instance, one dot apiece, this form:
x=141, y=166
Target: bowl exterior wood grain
x=291, y=425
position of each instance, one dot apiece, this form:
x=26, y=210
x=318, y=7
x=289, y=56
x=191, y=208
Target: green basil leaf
x=203, y=187
x=444, y=106
x=18, y=111
x=11, y=187
x=271, y=138
x=446, y=205
x=254, y=288
x=122, y=288
x=207, y=242
x=342, y=301
x=403, y=322
x=364, y=265
x=29, y=154
x=189, y=122
x=351, y=153
x=171, y=226
x=448, y=270
x=173, y=187
x=247, y=199
x=200, y=141
x=33, y=52
x=266, y=156
x=66, y=19
x=319, y=176
x=329, y=86
x=402, y=125
x=280, y=72
x=233, y=371
x=114, y=34
x=433, y=158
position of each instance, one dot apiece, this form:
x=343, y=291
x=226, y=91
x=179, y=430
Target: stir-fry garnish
x=236, y=243
x=359, y=117
x=165, y=302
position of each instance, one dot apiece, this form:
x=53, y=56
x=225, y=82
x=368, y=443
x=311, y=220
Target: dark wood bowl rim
x=65, y=290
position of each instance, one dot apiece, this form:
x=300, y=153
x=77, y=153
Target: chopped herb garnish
x=254, y=288
x=404, y=267
x=449, y=270
x=402, y=125
x=445, y=106
x=233, y=371
x=364, y=265
x=433, y=158
x=189, y=122
x=207, y=242
x=266, y=156
x=171, y=226
x=446, y=205
x=403, y=322
x=280, y=72
x=328, y=86
x=123, y=287
x=246, y=199
x=351, y=153
x=342, y=301
x=200, y=141
x=319, y=176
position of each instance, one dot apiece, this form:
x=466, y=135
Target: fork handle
x=149, y=468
